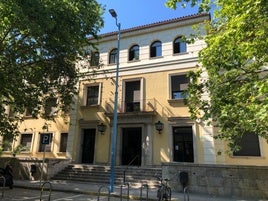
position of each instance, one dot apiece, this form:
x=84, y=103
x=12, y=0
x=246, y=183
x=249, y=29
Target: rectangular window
x=26, y=141
x=250, y=145
x=42, y=146
x=132, y=96
x=179, y=84
x=50, y=106
x=63, y=142
x=7, y=142
x=28, y=112
x=92, y=95
x=95, y=57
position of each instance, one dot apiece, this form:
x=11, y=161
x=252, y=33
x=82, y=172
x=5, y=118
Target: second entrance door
x=131, y=146
x=88, y=146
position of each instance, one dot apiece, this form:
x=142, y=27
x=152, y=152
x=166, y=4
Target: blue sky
x=132, y=13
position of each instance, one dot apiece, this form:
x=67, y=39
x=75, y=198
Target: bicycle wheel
x=168, y=193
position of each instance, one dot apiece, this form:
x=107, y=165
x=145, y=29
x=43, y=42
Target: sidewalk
x=134, y=192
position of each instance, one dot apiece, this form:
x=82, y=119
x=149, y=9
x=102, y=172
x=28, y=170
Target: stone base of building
x=220, y=180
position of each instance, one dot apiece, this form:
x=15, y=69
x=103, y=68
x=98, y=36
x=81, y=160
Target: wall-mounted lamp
x=101, y=128
x=159, y=126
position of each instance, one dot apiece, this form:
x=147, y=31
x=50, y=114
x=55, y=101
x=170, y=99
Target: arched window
x=95, y=57
x=156, y=49
x=134, y=53
x=179, y=45
x=113, y=56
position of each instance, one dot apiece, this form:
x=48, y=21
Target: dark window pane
x=134, y=53
x=113, y=56
x=95, y=57
x=92, y=95
x=63, y=142
x=179, y=84
x=7, y=143
x=183, y=144
x=156, y=49
x=179, y=46
x=249, y=145
x=26, y=141
x=50, y=106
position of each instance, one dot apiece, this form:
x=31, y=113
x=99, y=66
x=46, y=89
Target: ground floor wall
x=221, y=180
x=30, y=168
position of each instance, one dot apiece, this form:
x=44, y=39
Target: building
x=153, y=122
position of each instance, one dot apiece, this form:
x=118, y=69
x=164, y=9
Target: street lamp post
x=114, y=132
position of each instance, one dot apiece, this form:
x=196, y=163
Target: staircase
x=101, y=174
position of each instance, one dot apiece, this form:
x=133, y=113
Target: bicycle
x=163, y=191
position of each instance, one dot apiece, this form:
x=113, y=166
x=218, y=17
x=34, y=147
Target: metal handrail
x=121, y=191
x=147, y=191
x=128, y=167
x=186, y=193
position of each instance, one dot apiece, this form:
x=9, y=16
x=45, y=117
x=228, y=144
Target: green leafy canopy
x=40, y=43
x=234, y=69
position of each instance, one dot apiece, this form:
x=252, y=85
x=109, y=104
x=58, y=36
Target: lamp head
x=113, y=13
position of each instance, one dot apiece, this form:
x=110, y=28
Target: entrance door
x=88, y=146
x=183, y=144
x=131, y=146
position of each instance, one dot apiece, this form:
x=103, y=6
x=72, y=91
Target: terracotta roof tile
x=156, y=24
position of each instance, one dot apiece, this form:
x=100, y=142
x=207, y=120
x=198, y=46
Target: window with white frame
x=249, y=145
x=156, y=49
x=133, y=53
x=179, y=85
x=179, y=45
x=92, y=95
x=26, y=141
x=95, y=58
x=113, y=56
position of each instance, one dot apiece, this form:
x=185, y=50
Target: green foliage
x=203, y=5
x=236, y=63
x=40, y=43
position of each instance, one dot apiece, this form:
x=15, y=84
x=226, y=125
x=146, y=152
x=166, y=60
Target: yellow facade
x=146, y=95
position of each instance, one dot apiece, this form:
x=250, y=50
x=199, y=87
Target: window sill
x=29, y=117
x=180, y=100
x=134, y=60
x=158, y=57
x=248, y=157
x=181, y=53
x=89, y=106
x=61, y=153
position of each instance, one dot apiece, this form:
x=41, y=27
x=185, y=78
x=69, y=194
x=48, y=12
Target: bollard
x=121, y=191
x=99, y=192
x=146, y=187
x=42, y=189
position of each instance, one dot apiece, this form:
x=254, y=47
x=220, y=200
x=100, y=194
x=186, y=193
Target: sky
x=132, y=13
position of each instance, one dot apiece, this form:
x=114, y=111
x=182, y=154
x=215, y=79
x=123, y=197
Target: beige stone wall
x=22, y=167
x=223, y=180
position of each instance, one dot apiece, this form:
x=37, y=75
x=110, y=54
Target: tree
x=236, y=63
x=40, y=44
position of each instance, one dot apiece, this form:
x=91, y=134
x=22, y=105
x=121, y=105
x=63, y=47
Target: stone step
x=101, y=174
